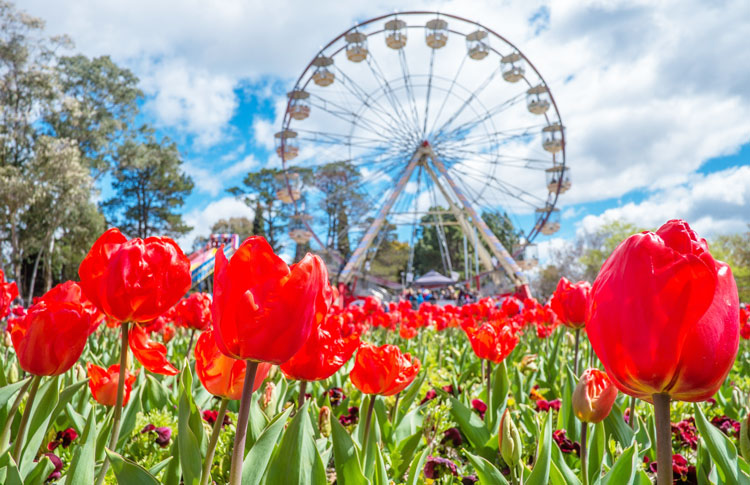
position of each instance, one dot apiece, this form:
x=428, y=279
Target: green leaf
x=298, y=447
x=486, y=471
x=616, y=426
x=41, y=414
x=41, y=471
x=172, y=475
x=722, y=450
x=345, y=456
x=82, y=466
x=540, y=473
x=415, y=470
x=596, y=453
x=190, y=431
x=7, y=392
x=499, y=397
x=256, y=461
x=129, y=417
x=409, y=394
x=566, y=419
x=381, y=474
x=129, y=473
x=404, y=452
x=624, y=469
x=9, y=473
x=568, y=477
x=156, y=469
x=470, y=423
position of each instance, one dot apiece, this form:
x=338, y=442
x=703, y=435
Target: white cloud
x=648, y=91
x=717, y=203
x=202, y=219
x=213, y=182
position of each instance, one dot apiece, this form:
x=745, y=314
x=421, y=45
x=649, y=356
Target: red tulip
x=383, y=370
x=8, y=293
x=664, y=315
x=151, y=354
x=136, y=280
x=52, y=335
x=221, y=375
x=325, y=351
x=570, y=301
x=593, y=396
x=492, y=342
x=511, y=306
x=71, y=291
x=195, y=311
x=103, y=384
x=264, y=310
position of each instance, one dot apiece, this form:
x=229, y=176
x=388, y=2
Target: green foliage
x=734, y=249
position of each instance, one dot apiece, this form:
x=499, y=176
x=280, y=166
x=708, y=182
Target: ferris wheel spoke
x=468, y=126
x=388, y=90
x=408, y=86
x=506, y=187
x=448, y=92
x=368, y=100
x=493, y=159
x=349, y=116
x=474, y=95
x=482, y=201
x=338, y=138
x=429, y=93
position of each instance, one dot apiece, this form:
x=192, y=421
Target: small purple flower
x=63, y=438
x=469, y=480
x=453, y=436
x=431, y=394
x=148, y=428
x=56, y=473
x=164, y=434
x=351, y=418
x=336, y=396
x=436, y=467
x=727, y=425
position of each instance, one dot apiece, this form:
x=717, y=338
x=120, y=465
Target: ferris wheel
x=440, y=116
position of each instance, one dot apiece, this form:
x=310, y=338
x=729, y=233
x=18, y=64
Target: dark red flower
x=351, y=417
x=429, y=396
x=136, y=280
x=542, y=405
x=479, y=406
x=727, y=425
x=163, y=434
x=685, y=433
x=437, y=467
x=565, y=444
x=453, y=436
x=62, y=438
x=336, y=396
x=211, y=416
x=57, y=462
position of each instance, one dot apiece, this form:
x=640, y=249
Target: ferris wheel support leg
x=358, y=256
x=480, y=251
x=506, y=261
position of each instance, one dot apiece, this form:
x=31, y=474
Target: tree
x=271, y=215
x=734, y=249
x=428, y=254
x=342, y=201
x=389, y=258
x=149, y=187
x=502, y=227
x=598, y=245
x=97, y=104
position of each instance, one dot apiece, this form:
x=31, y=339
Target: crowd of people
x=460, y=295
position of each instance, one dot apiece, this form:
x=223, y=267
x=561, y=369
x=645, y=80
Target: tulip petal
x=152, y=355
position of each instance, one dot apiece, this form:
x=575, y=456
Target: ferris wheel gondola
x=430, y=133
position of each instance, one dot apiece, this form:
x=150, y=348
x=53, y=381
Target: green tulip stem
x=5, y=436
x=632, y=413
x=394, y=411
x=17, y=446
x=584, y=471
x=206, y=474
x=489, y=388
x=368, y=419
x=238, y=451
x=302, y=391
x=664, y=475
x=575, y=355
x=190, y=345
x=118, y=403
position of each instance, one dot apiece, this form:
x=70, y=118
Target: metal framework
x=402, y=98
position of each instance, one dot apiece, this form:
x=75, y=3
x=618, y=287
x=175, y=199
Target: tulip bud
x=509, y=440
x=593, y=396
x=324, y=421
x=529, y=363
x=7, y=340
x=744, y=438
x=268, y=395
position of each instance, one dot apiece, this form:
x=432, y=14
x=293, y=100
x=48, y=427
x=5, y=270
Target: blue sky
x=654, y=97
